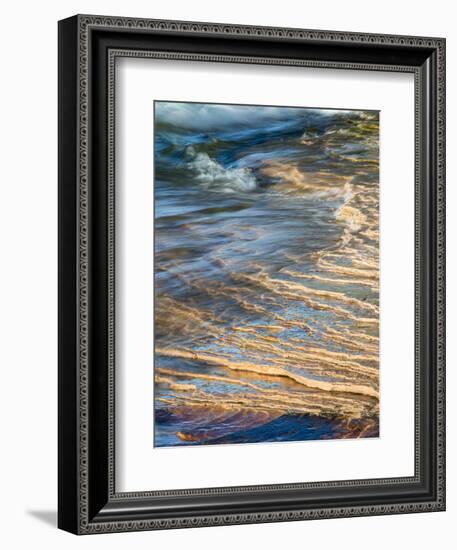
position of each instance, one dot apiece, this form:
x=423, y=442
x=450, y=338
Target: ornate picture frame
x=88, y=48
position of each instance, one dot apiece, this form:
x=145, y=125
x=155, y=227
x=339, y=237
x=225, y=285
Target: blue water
x=266, y=257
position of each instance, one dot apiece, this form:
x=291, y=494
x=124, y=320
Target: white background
x=141, y=467
x=28, y=302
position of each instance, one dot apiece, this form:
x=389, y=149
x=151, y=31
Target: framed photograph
x=251, y=274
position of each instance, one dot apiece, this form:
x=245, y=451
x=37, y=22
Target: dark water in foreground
x=267, y=280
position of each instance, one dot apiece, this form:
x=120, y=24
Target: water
x=267, y=276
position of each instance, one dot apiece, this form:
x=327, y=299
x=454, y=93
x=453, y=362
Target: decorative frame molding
x=79, y=510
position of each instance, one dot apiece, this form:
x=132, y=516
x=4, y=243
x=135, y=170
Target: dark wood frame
x=88, y=46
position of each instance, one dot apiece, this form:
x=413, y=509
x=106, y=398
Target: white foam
x=213, y=175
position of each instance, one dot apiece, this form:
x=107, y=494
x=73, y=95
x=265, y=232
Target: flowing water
x=266, y=274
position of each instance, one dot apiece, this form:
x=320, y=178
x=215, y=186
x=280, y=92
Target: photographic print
x=266, y=273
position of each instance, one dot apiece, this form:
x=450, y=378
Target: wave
x=213, y=175
x=215, y=117
x=270, y=370
x=353, y=217
x=290, y=179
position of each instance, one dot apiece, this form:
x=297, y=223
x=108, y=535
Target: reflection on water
x=266, y=277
